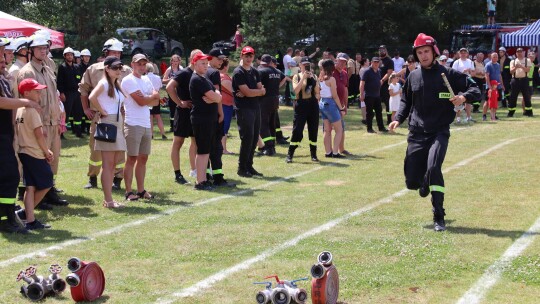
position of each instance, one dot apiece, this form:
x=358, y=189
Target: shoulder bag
x=105, y=131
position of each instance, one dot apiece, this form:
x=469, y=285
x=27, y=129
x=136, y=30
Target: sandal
x=130, y=196
x=145, y=195
x=112, y=205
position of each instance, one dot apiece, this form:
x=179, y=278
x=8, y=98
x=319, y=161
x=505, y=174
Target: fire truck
x=483, y=38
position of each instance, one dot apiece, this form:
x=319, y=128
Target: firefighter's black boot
x=313, y=151
x=52, y=198
x=510, y=113
x=290, y=154
x=8, y=223
x=77, y=129
x=117, y=183
x=438, y=211
x=92, y=183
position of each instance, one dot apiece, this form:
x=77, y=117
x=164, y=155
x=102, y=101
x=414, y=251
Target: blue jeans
x=329, y=110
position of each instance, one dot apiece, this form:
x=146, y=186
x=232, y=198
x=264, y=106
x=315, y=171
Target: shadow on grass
x=511, y=234
x=77, y=199
x=362, y=157
x=42, y=236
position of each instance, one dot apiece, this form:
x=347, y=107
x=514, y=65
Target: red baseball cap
x=30, y=84
x=494, y=82
x=248, y=50
x=200, y=56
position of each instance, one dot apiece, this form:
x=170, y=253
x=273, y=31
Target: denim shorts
x=329, y=110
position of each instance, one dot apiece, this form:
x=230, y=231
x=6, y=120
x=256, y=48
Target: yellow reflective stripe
x=21, y=184
x=3, y=218
x=119, y=166
x=313, y=143
x=436, y=188
x=511, y=109
x=295, y=143
x=71, y=118
x=218, y=171
x=209, y=171
x=278, y=130
x=77, y=123
x=444, y=95
x=93, y=163
x=268, y=138
x=528, y=108
x=9, y=201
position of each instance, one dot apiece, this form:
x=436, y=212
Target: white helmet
x=77, y=54
x=113, y=44
x=20, y=43
x=39, y=41
x=68, y=50
x=4, y=41
x=44, y=34
x=86, y=52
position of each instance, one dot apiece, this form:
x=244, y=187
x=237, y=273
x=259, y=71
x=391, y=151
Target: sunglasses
x=116, y=68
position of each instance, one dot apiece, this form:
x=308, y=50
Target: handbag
x=105, y=131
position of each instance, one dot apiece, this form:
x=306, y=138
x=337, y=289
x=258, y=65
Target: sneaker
x=314, y=159
x=5, y=226
x=254, y=172
x=369, y=130
x=206, y=185
x=345, y=152
x=282, y=141
x=37, y=225
x=439, y=224
x=364, y=122
x=44, y=206
x=484, y=118
x=57, y=190
x=117, y=183
x=193, y=173
x=383, y=130
x=181, y=180
x=338, y=155
x=92, y=183
x=20, y=217
x=288, y=160
x=268, y=152
x=458, y=120
x=328, y=155
x=470, y=119
x=221, y=182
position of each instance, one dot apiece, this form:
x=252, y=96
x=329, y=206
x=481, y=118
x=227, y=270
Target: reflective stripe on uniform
x=7, y=201
x=528, y=108
x=268, y=138
x=435, y=188
x=209, y=171
x=313, y=143
x=511, y=109
x=278, y=129
x=93, y=163
x=3, y=218
x=295, y=143
x=77, y=123
x=218, y=171
x=118, y=166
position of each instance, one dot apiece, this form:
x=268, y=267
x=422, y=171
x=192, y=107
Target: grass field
x=209, y=247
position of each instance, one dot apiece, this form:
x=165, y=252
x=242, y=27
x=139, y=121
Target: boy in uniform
x=34, y=154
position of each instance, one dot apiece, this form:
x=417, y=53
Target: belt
x=520, y=77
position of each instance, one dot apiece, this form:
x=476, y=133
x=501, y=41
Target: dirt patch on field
x=334, y=183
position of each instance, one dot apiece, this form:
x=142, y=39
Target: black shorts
x=9, y=175
x=491, y=13
x=182, y=123
x=205, y=133
x=36, y=172
x=156, y=110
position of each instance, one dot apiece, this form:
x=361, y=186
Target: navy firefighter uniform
x=425, y=103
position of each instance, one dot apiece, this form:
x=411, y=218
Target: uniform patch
x=444, y=95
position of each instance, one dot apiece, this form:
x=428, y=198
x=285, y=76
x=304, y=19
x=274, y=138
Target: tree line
x=268, y=25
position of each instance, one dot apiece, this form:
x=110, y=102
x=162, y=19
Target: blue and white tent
x=527, y=36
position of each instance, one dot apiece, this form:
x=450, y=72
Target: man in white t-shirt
x=465, y=66
x=288, y=62
x=140, y=96
x=398, y=61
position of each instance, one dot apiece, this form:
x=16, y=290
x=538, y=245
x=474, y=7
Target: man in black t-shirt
x=216, y=153
x=272, y=79
x=387, y=68
x=370, y=94
x=178, y=90
x=204, y=113
x=247, y=88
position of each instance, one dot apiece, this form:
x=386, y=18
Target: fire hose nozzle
x=35, y=291
x=74, y=264
x=280, y=295
x=73, y=280
x=325, y=258
x=318, y=271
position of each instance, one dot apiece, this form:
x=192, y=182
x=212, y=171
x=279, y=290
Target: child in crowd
x=34, y=155
x=395, y=94
x=493, y=100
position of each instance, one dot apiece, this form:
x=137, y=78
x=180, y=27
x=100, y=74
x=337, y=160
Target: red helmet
x=423, y=40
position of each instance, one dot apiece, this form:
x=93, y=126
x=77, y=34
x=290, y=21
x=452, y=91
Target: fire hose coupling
x=264, y=296
x=285, y=292
x=325, y=258
x=325, y=282
x=74, y=264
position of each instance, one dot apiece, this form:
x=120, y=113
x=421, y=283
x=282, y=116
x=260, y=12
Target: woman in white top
x=330, y=108
x=107, y=97
x=169, y=74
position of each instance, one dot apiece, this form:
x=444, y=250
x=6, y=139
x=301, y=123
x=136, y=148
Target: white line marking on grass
x=223, y=274
x=494, y=272
x=43, y=252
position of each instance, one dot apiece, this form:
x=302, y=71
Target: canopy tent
x=527, y=36
x=13, y=27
